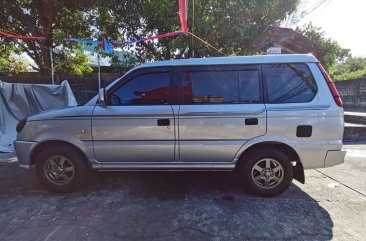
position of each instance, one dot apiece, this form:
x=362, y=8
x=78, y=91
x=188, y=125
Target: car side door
x=137, y=125
x=221, y=108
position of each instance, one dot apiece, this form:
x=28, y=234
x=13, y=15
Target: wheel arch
x=43, y=145
x=285, y=148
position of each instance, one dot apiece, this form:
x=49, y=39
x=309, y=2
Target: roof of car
x=257, y=59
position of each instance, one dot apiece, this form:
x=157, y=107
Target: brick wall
x=353, y=93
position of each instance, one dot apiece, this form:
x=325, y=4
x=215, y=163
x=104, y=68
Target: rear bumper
x=334, y=158
x=24, y=150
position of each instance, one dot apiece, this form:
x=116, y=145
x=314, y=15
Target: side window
x=289, y=83
x=145, y=89
x=227, y=86
x=249, y=82
x=210, y=87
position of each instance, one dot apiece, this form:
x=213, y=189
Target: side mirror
x=102, y=97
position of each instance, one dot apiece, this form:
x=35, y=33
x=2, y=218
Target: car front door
x=137, y=125
x=221, y=107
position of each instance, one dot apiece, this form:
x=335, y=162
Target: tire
x=267, y=172
x=62, y=168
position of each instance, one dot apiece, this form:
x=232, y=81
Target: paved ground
x=186, y=206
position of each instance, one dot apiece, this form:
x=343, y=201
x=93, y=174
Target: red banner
x=21, y=37
x=183, y=15
x=162, y=36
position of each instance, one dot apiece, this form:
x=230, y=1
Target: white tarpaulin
x=18, y=101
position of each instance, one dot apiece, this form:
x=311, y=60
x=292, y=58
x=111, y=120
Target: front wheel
x=268, y=172
x=62, y=168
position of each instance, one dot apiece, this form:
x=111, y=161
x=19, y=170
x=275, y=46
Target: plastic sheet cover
x=18, y=101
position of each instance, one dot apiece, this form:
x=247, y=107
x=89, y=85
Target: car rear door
x=221, y=107
x=303, y=110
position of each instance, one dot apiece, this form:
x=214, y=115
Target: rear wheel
x=268, y=172
x=62, y=168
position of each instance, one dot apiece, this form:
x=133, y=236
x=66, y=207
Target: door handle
x=163, y=122
x=251, y=121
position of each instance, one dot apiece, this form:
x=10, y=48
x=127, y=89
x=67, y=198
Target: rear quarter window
x=289, y=83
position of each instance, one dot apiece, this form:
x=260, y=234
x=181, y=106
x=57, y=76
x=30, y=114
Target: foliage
x=10, y=60
x=352, y=68
x=54, y=19
x=73, y=61
x=123, y=61
x=230, y=25
x=332, y=51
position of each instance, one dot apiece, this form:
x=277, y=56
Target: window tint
x=145, y=89
x=249, y=86
x=213, y=87
x=290, y=83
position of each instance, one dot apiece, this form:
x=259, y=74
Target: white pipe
x=99, y=73
x=52, y=69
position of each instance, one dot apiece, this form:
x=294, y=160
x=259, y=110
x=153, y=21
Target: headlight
x=21, y=125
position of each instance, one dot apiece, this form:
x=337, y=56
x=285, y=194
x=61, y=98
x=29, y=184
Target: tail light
x=332, y=87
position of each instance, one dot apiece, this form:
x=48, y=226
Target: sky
x=342, y=20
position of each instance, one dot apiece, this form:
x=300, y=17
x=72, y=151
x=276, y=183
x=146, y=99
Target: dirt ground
x=186, y=206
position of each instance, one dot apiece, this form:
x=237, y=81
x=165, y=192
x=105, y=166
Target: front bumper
x=24, y=150
x=334, y=158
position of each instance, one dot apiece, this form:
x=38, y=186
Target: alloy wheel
x=59, y=170
x=267, y=173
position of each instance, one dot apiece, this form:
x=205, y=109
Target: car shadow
x=163, y=205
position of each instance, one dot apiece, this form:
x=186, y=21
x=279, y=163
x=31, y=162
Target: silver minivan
x=267, y=117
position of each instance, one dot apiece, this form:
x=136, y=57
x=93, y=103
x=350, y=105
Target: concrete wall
x=353, y=93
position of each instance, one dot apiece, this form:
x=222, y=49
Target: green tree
x=332, y=51
x=230, y=25
x=352, y=68
x=10, y=60
x=74, y=62
x=54, y=19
